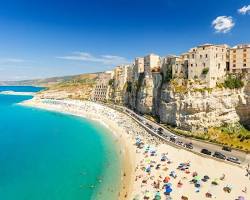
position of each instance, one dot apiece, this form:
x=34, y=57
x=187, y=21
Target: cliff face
x=243, y=109
x=195, y=111
x=199, y=110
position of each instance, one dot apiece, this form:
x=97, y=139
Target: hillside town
x=204, y=87
x=209, y=64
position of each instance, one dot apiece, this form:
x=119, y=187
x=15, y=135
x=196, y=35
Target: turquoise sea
x=52, y=156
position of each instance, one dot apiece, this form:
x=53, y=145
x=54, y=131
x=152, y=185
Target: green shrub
x=111, y=82
x=233, y=82
x=205, y=70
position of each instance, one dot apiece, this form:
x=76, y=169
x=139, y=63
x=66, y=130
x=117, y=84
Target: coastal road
x=198, y=145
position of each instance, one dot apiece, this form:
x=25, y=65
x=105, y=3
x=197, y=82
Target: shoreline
x=143, y=171
x=123, y=145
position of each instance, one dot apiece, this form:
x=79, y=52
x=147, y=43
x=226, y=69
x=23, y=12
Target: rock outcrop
x=193, y=111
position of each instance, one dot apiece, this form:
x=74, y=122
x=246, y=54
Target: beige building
x=122, y=74
x=152, y=62
x=179, y=66
x=101, y=90
x=138, y=68
x=240, y=59
x=208, y=63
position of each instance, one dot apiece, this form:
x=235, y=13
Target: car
x=159, y=132
x=219, y=155
x=179, y=143
x=172, y=139
x=207, y=152
x=160, y=129
x=225, y=148
x=189, y=145
x=234, y=160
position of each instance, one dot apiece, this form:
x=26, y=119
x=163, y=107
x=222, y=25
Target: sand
x=136, y=181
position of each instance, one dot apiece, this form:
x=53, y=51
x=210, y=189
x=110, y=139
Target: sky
x=46, y=38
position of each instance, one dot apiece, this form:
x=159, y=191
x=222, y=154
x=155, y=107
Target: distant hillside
x=74, y=87
x=49, y=81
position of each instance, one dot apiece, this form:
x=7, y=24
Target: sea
x=48, y=155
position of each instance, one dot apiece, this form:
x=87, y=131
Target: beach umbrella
x=197, y=178
x=167, y=179
x=206, y=177
x=169, y=184
x=168, y=190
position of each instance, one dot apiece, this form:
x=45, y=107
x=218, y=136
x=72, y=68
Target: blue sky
x=45, y=38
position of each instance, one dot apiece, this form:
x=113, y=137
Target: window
x=200, y=56
x=206, y=56
x=192, y=55
x=204, y=65
x=234, y=51
x=244, y=65
x=191, y=65
x=244, y=55
x=245, y=60
x=245, y=50
x=219, y=66
x=234, y=65
x=234, y=61
x=216, y=55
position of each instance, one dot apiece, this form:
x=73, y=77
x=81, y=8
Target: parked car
x=189, y=145
x=160, y=129
x=159, y=132
x=172, y=139
x=234, y=160
x=205, y=151
x=179, y=143
x=225, y=148
x=219, y=155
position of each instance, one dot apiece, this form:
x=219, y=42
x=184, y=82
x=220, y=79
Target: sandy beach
x=153, y=169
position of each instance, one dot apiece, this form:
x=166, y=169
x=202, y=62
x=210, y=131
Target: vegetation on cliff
x=233, y=82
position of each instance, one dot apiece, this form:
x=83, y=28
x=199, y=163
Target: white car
x=234, y=160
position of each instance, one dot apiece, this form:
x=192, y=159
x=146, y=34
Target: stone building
x=152, y=62
x=101, y=90
x=208, y=63
x=138, y=68
x=122, y=74
x=240, y=59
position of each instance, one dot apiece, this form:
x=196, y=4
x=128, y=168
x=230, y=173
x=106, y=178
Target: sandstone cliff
x=193, y=110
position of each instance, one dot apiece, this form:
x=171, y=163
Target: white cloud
x=244, y=10
x=105, y=59
x=223, y=24
x=11, y=60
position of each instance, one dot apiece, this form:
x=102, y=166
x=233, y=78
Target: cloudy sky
x=44, y=38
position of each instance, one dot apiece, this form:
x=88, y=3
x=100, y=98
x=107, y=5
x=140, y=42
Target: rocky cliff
x=194, y=110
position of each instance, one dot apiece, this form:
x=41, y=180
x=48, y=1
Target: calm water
x=46, y=155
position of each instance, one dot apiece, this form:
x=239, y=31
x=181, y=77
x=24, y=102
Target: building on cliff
x=101, y=90
x=208, y=63
x=122, y=75
x=240, y=59
x=138, y=68
x=152, y=62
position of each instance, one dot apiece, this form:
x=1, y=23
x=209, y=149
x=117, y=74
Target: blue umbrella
x=168, y=190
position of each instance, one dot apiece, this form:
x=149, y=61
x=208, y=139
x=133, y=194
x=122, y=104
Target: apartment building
x=179, y=66
x=240, y=59
x=138, y=68
x=122, y=74
x=208, y=63
x=101, y=90
x=152, y=62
